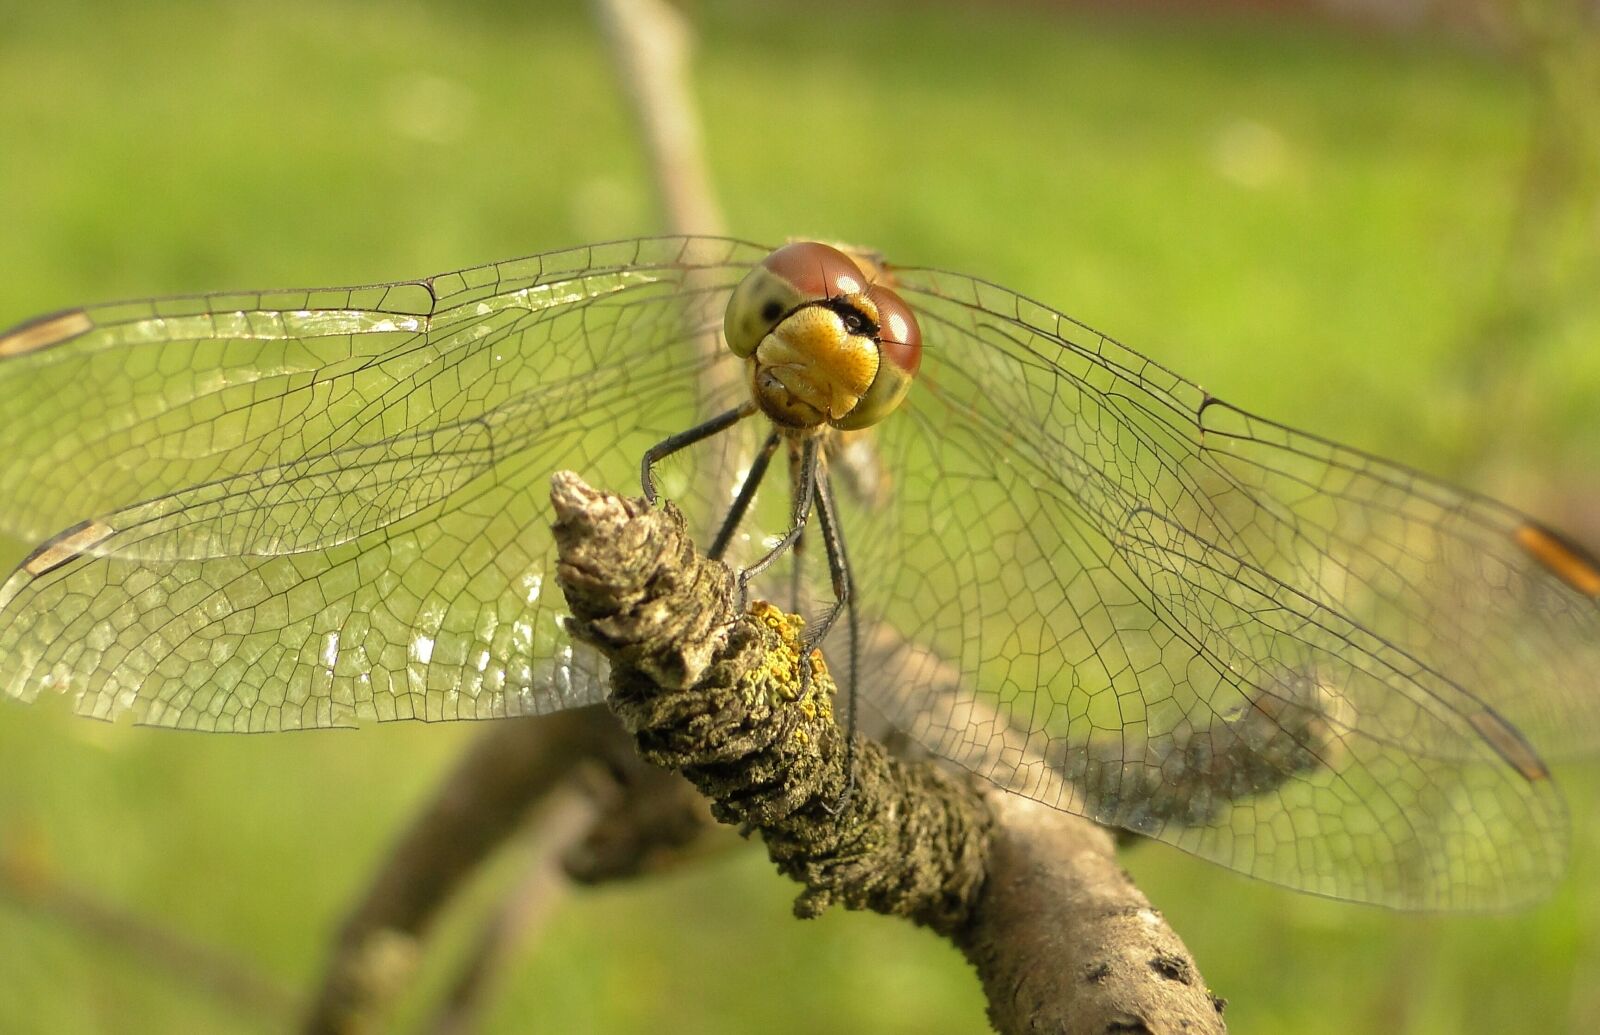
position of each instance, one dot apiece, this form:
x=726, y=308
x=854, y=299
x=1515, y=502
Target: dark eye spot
x=853, y=319
x=771, y=311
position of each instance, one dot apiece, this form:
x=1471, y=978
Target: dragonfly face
x=826, y=345
x=1077, y=573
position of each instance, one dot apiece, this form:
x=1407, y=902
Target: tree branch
x=650, y=818
x=483, y=802
x=1040, y=906
x=1060, y=937
x=568, y=814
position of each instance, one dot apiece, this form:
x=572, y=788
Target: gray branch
x=1060, y=938
x=515, y=765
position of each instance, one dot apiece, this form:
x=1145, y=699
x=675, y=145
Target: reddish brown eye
x=817, y=270
x=899, y=342
x=899, y=337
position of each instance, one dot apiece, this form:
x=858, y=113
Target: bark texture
x=719, y=698
x=1060, y=937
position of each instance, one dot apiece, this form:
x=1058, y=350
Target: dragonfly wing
x=1153, y=629
x=1467, y=587
x=317, y=508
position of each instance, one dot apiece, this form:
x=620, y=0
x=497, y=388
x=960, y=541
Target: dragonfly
x=1070, y=570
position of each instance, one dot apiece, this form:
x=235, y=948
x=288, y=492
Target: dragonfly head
x=826, y=344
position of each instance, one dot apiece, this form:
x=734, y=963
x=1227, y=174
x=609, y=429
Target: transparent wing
x=1304, y=663
x=312, y=508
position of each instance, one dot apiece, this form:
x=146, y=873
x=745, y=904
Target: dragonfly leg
x=741, y=502
x=797, y=568
x=683, y=439
x=809, y=453
x=844, y=598
x=796, y=572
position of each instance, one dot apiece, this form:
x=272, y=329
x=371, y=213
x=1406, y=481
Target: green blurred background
x=1385, y=236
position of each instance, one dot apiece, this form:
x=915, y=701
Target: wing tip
x=44, y=332
x=1509, y=743
x=64, y=546
x=1560, y=556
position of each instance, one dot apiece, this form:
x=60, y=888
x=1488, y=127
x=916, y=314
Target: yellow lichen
x=781, y=668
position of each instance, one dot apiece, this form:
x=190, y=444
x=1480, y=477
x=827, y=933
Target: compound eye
x=788, y=278
x=756, y=306
x=899, y=337
x=900, y=351
x=818, y=270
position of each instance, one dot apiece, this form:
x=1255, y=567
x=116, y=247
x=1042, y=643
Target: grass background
x=1317, y=224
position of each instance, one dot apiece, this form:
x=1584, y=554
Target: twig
x=650, y=47
x=652, y=821
x=193, y=964
x=565, y=820
x=1061, y=939
x=653, y=816
x=514, y=764
x=1054, y=908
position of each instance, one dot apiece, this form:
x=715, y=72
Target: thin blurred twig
x=1550, y=264
x=566, y=818
x=480, y=805
x=654, y=814
x=1054, y=882
x=187, y=961
x=650, y=45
